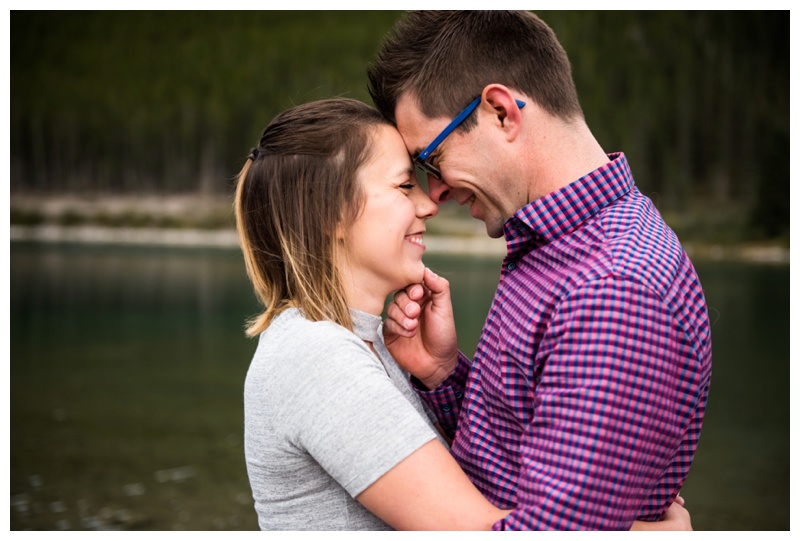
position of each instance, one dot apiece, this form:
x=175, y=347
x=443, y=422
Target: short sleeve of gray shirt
x=323, y=421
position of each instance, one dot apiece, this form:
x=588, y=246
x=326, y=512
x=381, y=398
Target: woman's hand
x=675, y=519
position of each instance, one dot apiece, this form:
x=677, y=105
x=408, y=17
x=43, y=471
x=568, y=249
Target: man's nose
x=438, y=190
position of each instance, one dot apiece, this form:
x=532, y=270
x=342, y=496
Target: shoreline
x=478, y=246
x=216, y=238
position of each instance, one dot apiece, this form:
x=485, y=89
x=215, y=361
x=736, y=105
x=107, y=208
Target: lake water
x=127, y=366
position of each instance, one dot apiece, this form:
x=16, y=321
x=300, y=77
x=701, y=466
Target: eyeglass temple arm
x=455, y=123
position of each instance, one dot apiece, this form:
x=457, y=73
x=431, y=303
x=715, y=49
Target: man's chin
x=494, y=230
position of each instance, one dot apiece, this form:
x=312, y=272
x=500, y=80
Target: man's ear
x=503, y=106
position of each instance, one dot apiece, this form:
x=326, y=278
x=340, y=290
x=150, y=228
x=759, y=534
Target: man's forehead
x=413, y=125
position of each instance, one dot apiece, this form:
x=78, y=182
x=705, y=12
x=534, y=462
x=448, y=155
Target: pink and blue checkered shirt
x=583, y=406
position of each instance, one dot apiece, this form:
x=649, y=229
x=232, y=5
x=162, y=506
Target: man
x=583, y=405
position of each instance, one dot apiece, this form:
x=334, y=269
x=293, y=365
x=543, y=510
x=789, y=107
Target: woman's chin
x=413, y=277
x=418, y=275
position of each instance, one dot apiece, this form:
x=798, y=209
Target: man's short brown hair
x=446, y=58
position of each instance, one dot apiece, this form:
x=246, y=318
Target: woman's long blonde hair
x=295, y=188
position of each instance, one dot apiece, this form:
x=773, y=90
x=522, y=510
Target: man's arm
x=612, y=405
x=420, y=334
x=420, y=330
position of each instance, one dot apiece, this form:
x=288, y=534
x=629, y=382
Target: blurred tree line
x=171, y=102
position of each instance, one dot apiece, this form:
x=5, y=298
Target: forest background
x=167, y=104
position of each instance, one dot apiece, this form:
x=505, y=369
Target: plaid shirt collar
x=562, y=211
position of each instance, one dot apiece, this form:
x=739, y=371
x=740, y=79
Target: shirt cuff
x=445, y=400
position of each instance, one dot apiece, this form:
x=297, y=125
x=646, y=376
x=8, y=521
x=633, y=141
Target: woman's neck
x=364, y=300
x=362, y=294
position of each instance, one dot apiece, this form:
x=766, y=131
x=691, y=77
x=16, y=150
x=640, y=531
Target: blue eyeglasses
x=419, y=159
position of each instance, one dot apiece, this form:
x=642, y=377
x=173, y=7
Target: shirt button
x=512, y=266
x=445, y=408
x=459, y=395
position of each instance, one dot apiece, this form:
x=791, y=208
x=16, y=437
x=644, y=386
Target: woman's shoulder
x=293, y=342
x=291, y=327
x=294, y=351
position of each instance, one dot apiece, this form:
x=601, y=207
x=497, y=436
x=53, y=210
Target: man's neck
x=565, y=152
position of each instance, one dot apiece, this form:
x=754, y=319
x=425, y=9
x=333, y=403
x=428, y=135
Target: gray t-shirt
x=324, y=419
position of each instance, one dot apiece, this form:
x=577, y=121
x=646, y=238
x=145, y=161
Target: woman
x=331, y=219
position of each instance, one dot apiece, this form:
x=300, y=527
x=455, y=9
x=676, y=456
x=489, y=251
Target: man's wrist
x=438, y=377
x=418, y=384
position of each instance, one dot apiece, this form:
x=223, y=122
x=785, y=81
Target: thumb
x=438, y=286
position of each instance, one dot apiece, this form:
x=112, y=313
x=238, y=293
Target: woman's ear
x=499, y=101
x=340, y=231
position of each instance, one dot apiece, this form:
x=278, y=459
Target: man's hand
x=420, y=331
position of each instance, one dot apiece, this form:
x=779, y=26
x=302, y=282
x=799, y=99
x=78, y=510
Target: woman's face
x=384, y=245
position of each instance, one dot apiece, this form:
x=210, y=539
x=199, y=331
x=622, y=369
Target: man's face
x=467, y=162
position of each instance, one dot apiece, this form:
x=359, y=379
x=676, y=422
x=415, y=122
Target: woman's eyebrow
x=405, y=172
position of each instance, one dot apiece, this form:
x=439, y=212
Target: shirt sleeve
x=347, y=414
x=608, y=415
x=445, y=400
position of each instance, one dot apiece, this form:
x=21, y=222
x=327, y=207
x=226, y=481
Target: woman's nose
x=426, y=207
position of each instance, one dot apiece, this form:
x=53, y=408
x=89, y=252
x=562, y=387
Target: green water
x=127, y=367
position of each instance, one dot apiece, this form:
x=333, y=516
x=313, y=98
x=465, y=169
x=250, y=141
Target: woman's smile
x=416, y=238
